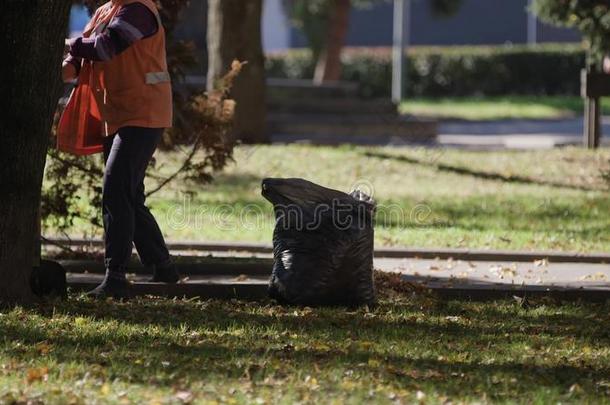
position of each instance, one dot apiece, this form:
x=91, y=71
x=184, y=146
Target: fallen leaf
x=37, y=374
x=373, y=363
x=105, y=389
x=43, y=348
x=599, y=276
x=575, y=388
x=541, y=262
x=504, y=271
x=184, y=396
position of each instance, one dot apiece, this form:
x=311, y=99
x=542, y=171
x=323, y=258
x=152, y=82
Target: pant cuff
x=115, y=274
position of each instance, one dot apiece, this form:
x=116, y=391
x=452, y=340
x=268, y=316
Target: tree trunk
x=328, y=67
x=32, y=34
x=234, y=32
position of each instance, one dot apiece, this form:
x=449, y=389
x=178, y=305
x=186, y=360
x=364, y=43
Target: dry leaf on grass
x=43, y=348
x=184, y=396
x=37, y=374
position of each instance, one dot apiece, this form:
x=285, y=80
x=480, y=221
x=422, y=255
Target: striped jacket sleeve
x=133, y=22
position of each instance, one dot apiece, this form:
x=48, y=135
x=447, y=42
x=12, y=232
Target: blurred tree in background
x=234, y=32
x=591, y=17
x=325, y=24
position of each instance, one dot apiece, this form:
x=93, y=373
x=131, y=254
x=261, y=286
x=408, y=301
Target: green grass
x=496, y=108
x=532, y=200
x=168, y=351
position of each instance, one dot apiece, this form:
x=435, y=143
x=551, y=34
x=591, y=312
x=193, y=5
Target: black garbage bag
x=322, y=244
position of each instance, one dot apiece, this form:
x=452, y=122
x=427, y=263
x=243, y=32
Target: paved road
x=527, y=134
x=504, y=134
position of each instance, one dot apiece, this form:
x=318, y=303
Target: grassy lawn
x=404, y=351
x=532, y=200
x=495, y=108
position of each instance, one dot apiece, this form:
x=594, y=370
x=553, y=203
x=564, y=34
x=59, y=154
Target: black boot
x=166, y=273
x=115, y=285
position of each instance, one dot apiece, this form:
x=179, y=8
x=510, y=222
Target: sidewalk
x=502, y=279
x=243, y=274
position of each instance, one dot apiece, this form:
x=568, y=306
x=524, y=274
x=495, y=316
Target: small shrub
x=452, y=71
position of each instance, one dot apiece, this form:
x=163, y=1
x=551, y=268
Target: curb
x=199, y=266
x=91, y=272
x=421, y=253
x=258, y=291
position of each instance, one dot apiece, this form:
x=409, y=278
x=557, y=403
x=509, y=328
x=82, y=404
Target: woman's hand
x=68, y=72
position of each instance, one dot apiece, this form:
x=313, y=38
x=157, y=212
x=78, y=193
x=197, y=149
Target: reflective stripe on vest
x=157, y=77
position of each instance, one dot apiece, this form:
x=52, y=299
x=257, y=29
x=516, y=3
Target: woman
x=125, y=44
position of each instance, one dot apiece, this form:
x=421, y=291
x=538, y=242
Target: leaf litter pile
x=391, y=285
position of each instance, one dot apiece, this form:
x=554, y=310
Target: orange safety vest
x=131, y=89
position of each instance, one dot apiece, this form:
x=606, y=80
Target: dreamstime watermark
x=339, y=215
x=421, y=214
x=224, y=217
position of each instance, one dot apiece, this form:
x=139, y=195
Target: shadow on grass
x=581, y=218
x=589, y=322
x=479, y=174
x=162, y=341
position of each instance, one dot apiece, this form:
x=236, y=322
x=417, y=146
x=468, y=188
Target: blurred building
x=477, y=22
x=79, y=16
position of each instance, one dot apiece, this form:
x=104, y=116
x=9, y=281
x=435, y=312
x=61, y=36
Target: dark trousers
x=127, y=221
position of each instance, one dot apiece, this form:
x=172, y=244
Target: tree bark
x=234, y=32
x=32, y=35
x=328, y=67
